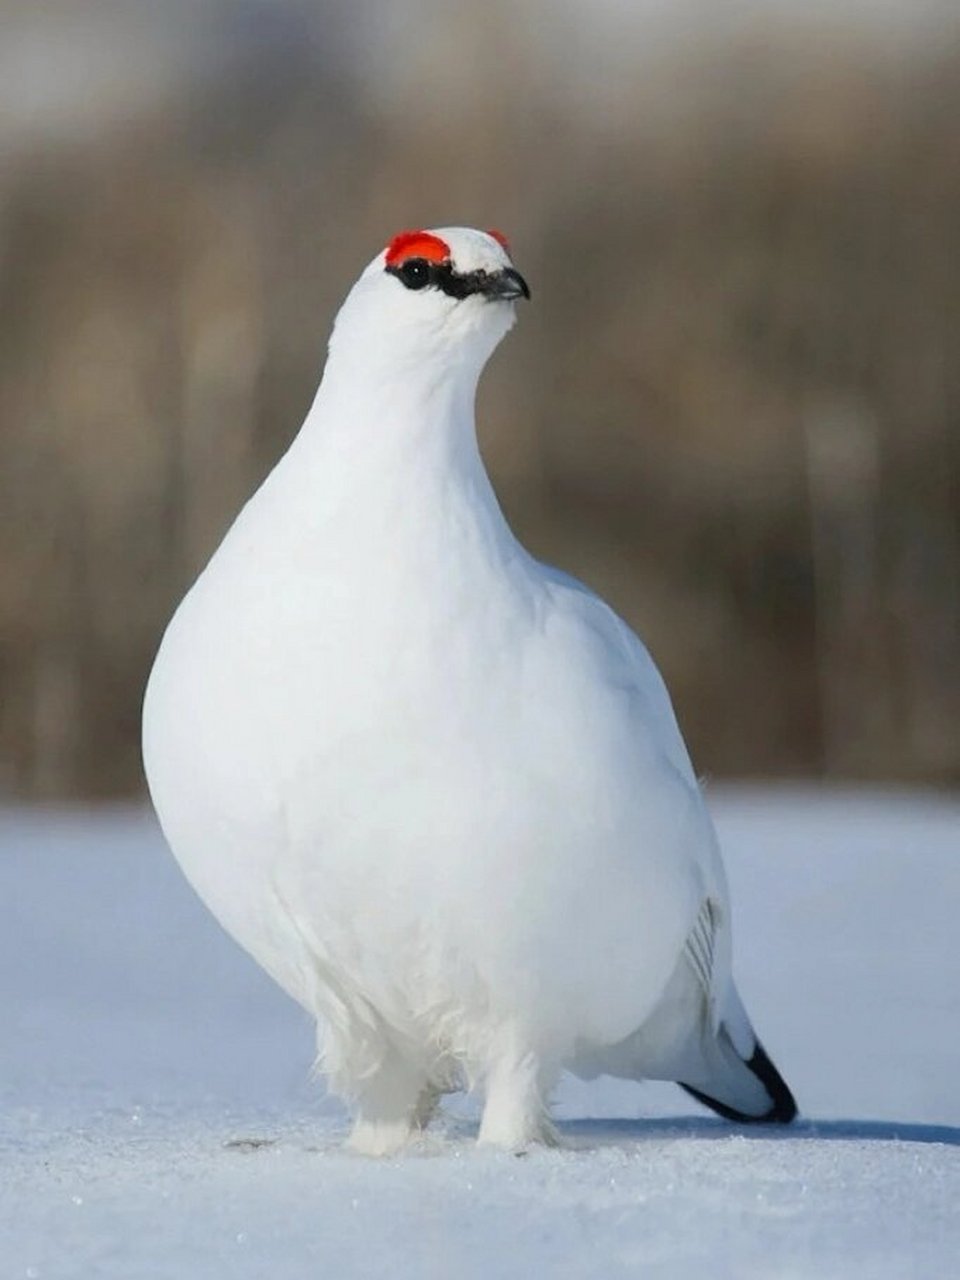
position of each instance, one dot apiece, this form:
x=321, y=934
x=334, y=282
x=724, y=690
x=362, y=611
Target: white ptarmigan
x=433, y=786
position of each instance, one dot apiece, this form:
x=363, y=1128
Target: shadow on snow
x=604, y=1131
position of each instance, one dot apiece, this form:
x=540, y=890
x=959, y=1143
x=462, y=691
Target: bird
x=434, y=786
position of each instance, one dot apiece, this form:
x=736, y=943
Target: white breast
x=432, y=780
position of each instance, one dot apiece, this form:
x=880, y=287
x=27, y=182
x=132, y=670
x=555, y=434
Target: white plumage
x=434, y=787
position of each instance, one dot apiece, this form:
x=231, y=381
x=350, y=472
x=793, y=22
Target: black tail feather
x=783, y=1108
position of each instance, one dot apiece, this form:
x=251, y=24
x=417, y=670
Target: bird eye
x=415, y=273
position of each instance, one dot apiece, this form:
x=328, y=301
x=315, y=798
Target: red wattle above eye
x=416, y=244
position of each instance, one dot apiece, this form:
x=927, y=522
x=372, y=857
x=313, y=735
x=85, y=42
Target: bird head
x=439, y=298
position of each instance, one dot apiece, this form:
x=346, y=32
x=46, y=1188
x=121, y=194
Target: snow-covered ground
x=157, y=1118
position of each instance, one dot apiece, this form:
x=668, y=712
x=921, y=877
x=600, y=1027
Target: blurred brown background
x=733, y=407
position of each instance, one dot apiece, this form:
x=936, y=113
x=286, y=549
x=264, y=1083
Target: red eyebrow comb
x=416, y=244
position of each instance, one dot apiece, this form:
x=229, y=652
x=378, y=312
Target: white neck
x=381, y=412
x=391, y=451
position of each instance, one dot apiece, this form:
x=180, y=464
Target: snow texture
x=157, y=1117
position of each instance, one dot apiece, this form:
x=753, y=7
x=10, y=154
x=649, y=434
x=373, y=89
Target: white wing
x=626, y=662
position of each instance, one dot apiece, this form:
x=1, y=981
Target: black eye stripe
x=418, y=273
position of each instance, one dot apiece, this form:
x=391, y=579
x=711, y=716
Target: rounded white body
x=436, y=789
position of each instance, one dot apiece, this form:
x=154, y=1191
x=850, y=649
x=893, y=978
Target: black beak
x=505, y=286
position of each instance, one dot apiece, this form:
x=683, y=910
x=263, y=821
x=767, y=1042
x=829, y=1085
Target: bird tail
x=748, y=1090
x=740, y=1084
x=701, y=1039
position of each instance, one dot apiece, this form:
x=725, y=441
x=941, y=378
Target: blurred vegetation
x=733, y=407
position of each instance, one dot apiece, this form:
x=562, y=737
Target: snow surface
x=157, y=1118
